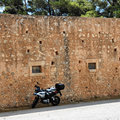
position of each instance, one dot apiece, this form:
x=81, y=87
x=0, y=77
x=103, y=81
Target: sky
x=1, y=9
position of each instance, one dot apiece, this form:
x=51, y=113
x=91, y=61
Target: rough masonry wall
x=63, y=47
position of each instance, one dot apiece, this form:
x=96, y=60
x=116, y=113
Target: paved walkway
x=101, y=110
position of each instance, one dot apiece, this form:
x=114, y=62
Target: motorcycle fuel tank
x=41, y=94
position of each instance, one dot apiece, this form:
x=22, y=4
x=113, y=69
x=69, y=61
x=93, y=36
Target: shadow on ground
x=50, y=108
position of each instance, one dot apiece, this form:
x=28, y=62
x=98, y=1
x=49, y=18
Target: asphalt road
x=100, y=110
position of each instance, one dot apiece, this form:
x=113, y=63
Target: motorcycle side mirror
x=38, y=83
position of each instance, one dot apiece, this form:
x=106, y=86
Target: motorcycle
x=49, y=95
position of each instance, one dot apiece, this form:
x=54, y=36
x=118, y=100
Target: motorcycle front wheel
x=35, y=102
x=55, y=101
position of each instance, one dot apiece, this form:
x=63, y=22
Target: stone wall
x=82, y=53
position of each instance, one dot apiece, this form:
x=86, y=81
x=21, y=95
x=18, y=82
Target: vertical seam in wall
x=67, y=73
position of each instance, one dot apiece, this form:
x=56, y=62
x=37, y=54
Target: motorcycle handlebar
x=37, y=86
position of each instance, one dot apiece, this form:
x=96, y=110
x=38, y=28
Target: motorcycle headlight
x=35, y=94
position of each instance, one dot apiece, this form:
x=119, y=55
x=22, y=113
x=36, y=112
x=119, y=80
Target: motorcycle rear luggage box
x=59, y=86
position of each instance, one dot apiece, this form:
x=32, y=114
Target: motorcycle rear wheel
x=35, y=102
x=56, y=101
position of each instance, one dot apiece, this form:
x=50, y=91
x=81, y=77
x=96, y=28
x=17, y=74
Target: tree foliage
x=49, y=7
x=40, y=7
x=71, y=8
x=107, y=8
x=14, y=6
x=60, y=7
x=84, y=8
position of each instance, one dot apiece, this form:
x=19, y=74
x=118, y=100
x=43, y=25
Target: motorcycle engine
x=46, y=101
